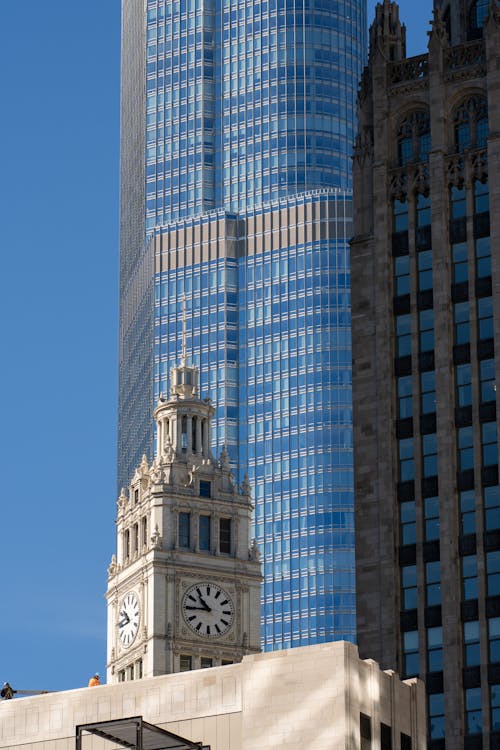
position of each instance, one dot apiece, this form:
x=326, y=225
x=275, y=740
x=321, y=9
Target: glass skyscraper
x=237, y=128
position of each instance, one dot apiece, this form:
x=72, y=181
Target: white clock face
x=208, y=609
x=128, y=618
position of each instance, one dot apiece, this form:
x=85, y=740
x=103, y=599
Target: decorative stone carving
x=122, y=500
x=420, y=179
x=191, y=473
x=455, y=171
x=245, y=486
x=363, y=146
x=224, y=459
x=411, y=69
x=157, y=473
x=156, y=538
x=399, y=185
x=254, y=552
x=465, y=55
x=168, y=451
x=438, y=28
x=112, y=567
x=479, y=164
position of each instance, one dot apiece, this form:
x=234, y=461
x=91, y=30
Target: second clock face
x=128, y=618
x=208, y=609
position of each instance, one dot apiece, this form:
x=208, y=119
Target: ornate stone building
x=184, y=587
x=426, y=338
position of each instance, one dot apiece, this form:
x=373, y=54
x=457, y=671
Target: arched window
x=478, y=10
x=471, y=124
x=414, y=138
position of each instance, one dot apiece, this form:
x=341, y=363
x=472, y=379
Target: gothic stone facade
x=426, y=340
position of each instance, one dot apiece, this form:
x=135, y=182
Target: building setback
x=426, y=332
x=237, y=127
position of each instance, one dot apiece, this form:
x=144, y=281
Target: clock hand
x=123, y=622
x=202, y=609
x=203, y=602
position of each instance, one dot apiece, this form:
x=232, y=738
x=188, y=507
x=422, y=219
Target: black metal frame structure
x=137, y=734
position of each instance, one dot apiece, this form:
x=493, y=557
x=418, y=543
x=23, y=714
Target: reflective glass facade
x=248, y=102
x=270, y=333
x=238, y=122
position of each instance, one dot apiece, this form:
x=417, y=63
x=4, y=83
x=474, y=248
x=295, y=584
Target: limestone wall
x=299, y=699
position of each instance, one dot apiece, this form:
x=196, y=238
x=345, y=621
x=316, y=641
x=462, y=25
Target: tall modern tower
x=238, y=121
x=426, y=342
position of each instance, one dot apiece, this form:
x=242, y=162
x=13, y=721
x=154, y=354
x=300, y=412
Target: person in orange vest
x=94, y=681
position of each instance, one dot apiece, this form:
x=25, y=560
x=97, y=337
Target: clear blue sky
x=59, y=144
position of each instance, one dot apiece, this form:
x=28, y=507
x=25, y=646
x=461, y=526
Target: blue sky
x=59, y=148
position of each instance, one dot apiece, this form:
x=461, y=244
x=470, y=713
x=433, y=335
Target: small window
x=385, y=737
x=460, y=262
x=365, y=730
x=225, y=662
x=435, y=649
x=473, y=713
x=431, y=518
x=487, y=376
x=433, y=583
x=409, y=587
x=410, y=653
x=402, y=275
x=406, y=460
x=204, y=533
x=467, y=512
x=407, y=520
x=405, y=398
x=205, y=488
x=145, y=532
x=428, y=392
x=426, y=325
x=429, y=455
x=463, y=376
x=126, y=545
x=206, y=662
x=469, y=577
x=403, y=335
x=493, y=572
x=184, y=530
x=490, y=444
x=494, y=638
x=225, y=536
x=136, y=537
x=185, y=663
x=472, y=656
x=477, y=15
x=136, y=496
x=138, y=669
x=405, y=741
x=495, y=706
x=121, y=675
x=492, y=508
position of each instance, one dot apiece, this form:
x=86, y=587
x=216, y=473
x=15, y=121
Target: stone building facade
x=322, y=697
x=184, y=586
x=426, y=337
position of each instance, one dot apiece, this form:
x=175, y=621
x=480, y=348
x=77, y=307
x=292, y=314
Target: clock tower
x=184, y=586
